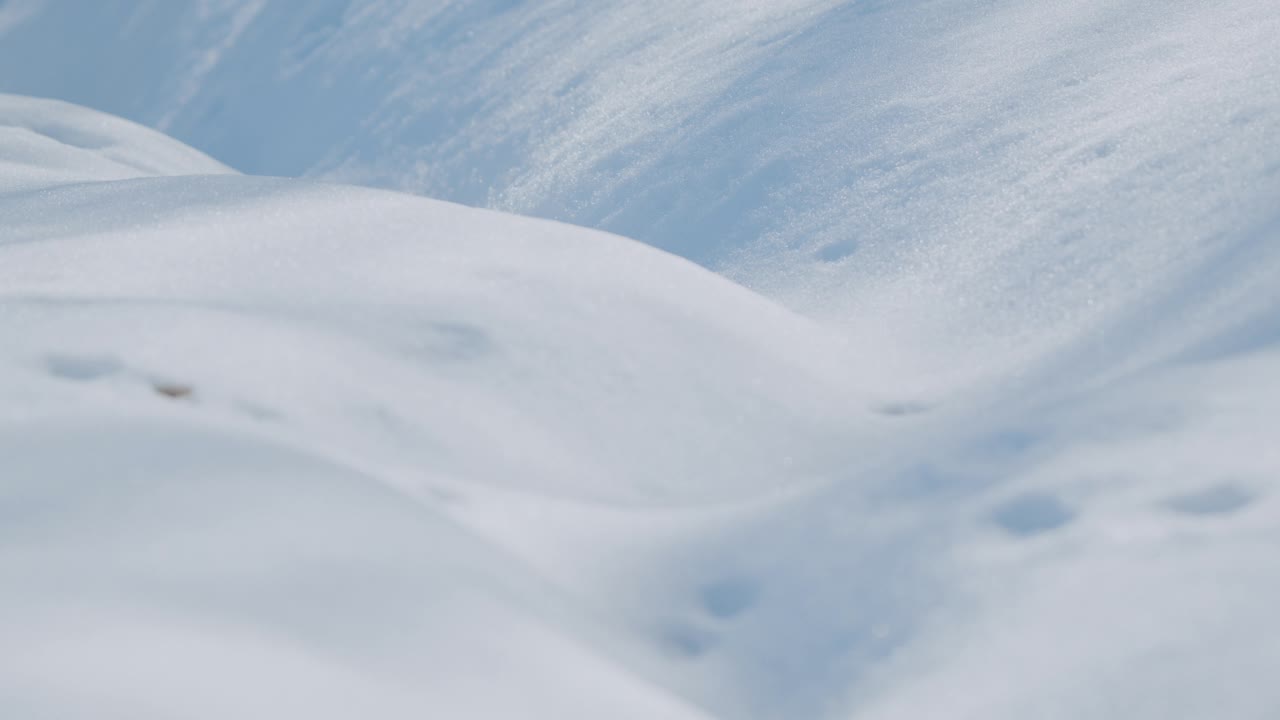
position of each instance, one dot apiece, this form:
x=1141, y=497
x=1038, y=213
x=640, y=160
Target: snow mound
x=45, y=143
x=486, y=326
x=352, y=449
x=255, y=435
x=278, y=447
x=900, y=170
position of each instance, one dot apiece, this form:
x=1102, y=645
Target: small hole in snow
x=1222, y=499
x=729, y=597
x=836, y=251
x=82, y=368
x=174, y=391
x=902, y=409
x=686, y=640
x=1032, y=514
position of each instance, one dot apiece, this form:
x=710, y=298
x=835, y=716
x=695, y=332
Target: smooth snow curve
x=252, y=432
x=44, y=143
x=425, y=459
x=419, y=453
x=899, y=169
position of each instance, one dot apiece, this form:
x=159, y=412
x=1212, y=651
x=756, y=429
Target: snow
x=897, y=170
x=367, y=371
x=973, y=418
x=47, y=143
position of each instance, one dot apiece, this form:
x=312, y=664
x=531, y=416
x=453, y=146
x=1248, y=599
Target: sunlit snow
x=939, y=378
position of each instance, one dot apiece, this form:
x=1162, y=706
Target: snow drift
x=360, y=372
x=964, y=185
x=273, y=446
x=428, y=459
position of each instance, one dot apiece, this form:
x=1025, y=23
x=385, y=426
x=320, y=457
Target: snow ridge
x=289, y=447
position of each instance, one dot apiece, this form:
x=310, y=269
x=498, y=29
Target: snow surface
x=966, y=184
x=440, y=461
x=44, y=143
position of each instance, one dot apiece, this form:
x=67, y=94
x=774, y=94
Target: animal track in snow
x=1032, y=513
x=1221, y=499
x=82, y=368
x=730, y=597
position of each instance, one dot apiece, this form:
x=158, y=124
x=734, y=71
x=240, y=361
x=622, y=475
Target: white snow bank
x=669, y=482
x=254, y=434
x=429, y=459
x=965, y=186
x=45, y=143
x=159, y=563
x=595, y=365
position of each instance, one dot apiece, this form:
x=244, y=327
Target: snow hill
x=370, y=376
x=898, y=169
x=275, y=447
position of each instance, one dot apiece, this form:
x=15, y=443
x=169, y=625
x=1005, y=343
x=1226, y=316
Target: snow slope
x=1026, y=467
x=898, y=169
x=367, y=371
x=45, y=143
x=440, y=460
